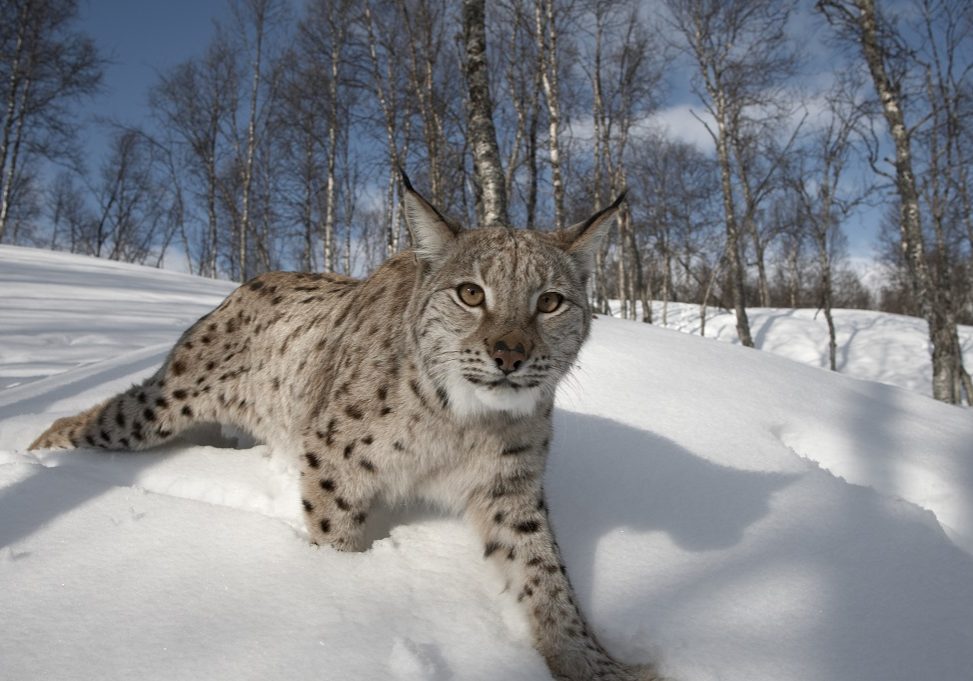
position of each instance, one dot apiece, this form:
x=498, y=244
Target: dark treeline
x=278, y=146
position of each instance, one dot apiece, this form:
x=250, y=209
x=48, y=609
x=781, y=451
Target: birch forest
x=279, y=145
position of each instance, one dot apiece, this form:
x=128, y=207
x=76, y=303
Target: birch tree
x=45, y=66
x=488, y=178
x=69, y=213
x=741, y=50
x=945, y=65
x=825, y=197
x=884, y=53
x=432, y=79
x=624, y=69
x=546, y=33
x=758, y=157
x=193, y=105
x=514, y=30
x=386, y=82
x=322, y=97
x=673, y=185
x=257, y=23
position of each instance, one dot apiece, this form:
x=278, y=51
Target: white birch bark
x=545, y=28
x=251, y=145
x=487, y=170
x=933, y=304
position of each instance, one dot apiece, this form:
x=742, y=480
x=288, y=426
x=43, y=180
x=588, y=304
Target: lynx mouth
x=483, y=394
x=499, y=383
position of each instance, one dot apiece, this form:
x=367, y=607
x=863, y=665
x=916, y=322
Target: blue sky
x=143, y=39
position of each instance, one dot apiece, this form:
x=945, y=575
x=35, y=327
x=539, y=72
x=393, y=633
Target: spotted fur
x=393, y=387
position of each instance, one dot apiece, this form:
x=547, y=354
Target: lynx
x=434, y=378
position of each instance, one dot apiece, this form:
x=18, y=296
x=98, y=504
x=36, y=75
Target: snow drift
x=729, y=513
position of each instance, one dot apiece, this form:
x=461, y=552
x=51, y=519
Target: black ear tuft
x=405, y=179
x=618, y=200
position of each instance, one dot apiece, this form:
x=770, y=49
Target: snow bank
x=876, y=346
x=733, y=514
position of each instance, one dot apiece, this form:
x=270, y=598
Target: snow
x=730, y=513
x=876, y=346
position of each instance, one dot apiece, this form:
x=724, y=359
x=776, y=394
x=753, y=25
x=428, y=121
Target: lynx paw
x=57, y=436
x=70, y=432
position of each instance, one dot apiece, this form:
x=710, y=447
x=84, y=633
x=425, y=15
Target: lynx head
x=500, y=314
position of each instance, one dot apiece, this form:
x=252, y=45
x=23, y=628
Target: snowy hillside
x=730, y=513
x=875, y=346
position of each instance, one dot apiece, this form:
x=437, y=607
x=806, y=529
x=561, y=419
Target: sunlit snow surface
x=881, y=347
x=729, y=513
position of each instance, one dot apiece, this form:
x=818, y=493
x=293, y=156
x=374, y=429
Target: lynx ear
x=430, y=231
x=582, y=240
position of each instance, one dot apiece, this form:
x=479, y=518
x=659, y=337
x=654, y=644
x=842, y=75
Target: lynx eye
x=470, y=293
x=550, y=301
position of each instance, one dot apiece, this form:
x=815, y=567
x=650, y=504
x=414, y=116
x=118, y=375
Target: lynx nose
x=511, y=351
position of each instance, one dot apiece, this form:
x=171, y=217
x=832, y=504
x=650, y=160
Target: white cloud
x=682, y=122
x=675, y=122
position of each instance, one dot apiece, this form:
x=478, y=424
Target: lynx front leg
x=338, y=486
x=512, y=520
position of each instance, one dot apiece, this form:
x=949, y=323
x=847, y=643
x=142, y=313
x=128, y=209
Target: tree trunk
x=251, y=151
x=7, y=171
x=763, y=287
x=641, y=290
x=212, y=180
x=666, y=281
x=750, y=223
x=621, y=269
x=714, y=275
x=826, y=302
x=734, y=256
x=532, y=168
x=546, y=35
x=794, y=275
x=388, y=105
x=487, y=171
x=423, y=55
x=307, y=204
x=330, y=182
x=11, y=176
x=598, y=171
x=934, y=304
